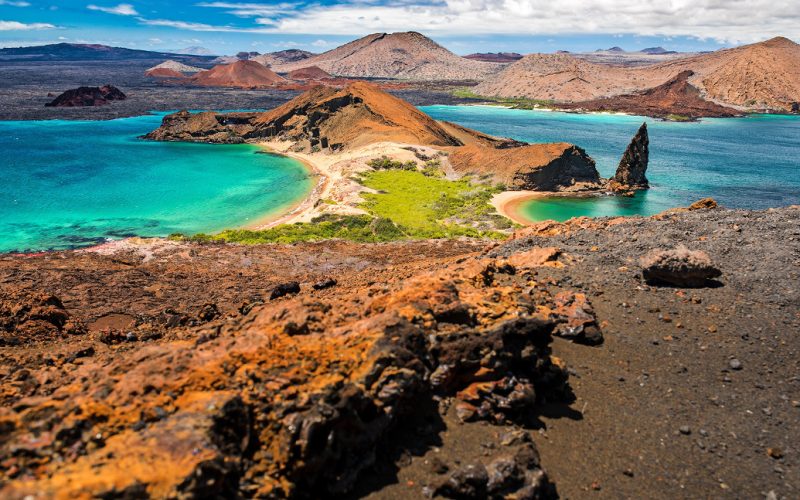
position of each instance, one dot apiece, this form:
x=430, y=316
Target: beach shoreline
x=508, y=203
x=287, y=214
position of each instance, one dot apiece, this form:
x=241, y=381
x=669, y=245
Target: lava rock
x=680, y=267
x=87, y=96
x=283, y=289
x=633, y=165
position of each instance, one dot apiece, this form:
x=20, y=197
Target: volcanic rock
x=256, y=411
x=88, y=96
x=536, y=167
x=207, y=126
x=30, y=317
x=679, y=267
x=243, y=74
x=633, y=165
x=674, y=98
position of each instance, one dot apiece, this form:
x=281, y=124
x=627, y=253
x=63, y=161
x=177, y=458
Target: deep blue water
x=751, y=162
x=71, y=183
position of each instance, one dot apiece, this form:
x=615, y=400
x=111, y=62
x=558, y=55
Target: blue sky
x=463, y=26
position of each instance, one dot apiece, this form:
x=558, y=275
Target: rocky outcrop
x=207, y=126
x=675, y=99
x=679, y=267
x=633, y=165
x=27, y=317
x=536, y=167
x=294, y=398
x=87, y=96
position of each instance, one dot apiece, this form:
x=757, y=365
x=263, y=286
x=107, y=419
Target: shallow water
x=65, y=184
x=751, y=162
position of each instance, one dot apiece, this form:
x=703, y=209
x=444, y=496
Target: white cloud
x=123, y=9
x=14, y=4
x=740, y=21
x=320, y=43
x=17, y=26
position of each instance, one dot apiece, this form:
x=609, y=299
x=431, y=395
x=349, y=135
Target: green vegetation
x=426, y=206
x=409, y=202
x=386, y=163
x=513, y=102
x=360, y=228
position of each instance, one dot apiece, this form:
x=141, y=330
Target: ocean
x=66, y=184
x=751, y=162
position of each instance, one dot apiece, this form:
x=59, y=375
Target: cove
x=66, y=184
x=751, y=163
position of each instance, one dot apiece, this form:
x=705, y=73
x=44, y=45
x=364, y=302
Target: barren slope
x=760, y=75
x=245, y=74
x=396, y=55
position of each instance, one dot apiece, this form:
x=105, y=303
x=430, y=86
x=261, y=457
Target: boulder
x=87, y=96
x=633, y=165
x=679, y=267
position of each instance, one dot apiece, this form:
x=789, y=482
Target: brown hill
x=309, y=73
x=163, y=73
x=358, y=115
x=87, y=96
x=756, y=76
x=330, y=119
x=760, y=75
x=245, y=74
x=562, y=78
x=675, y=97
x=410, y=56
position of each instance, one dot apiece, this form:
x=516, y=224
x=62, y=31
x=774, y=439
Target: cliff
x=536, y=167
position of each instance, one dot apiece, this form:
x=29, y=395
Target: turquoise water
x=65, y=184
x=751, y=162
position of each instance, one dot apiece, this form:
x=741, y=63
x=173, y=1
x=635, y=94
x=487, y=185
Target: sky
x=463, y=26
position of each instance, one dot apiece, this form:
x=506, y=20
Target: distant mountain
x=282, y=57
x=657, y=51
x=757, y=76
x=498, y=57
x=195, y=51
x=408, y=55
x=612, y=49
x=90, y=52
x=243, y=74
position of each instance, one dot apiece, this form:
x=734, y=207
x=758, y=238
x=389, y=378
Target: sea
x=751, y=162
x=67, y=184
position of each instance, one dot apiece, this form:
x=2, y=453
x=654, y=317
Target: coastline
x=299, y=207
x=508, y=203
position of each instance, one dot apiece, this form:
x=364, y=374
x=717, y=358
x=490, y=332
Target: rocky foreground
x=546, y=365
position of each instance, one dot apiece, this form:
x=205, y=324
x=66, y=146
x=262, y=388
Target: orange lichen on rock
x=249, y=406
